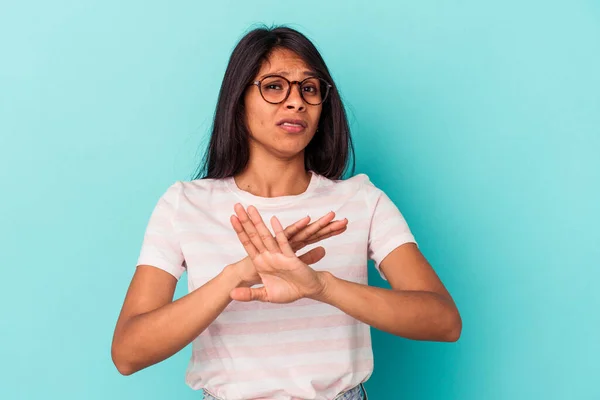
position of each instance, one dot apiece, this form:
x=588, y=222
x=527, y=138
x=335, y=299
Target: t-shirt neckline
x=255, y=200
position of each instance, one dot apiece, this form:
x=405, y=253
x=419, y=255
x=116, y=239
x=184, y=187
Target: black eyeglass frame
x=290, y=84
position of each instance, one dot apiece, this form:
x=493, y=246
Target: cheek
x=253, y=115
x=259, y=120
x=258, y=116
x=317, y=115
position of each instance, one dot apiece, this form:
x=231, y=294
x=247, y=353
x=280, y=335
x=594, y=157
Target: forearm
x=417, y=315
x=149, y=338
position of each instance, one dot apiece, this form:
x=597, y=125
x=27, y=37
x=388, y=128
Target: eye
x=311, y=87
x=274, y=85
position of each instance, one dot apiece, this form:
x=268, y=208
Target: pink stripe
x=337, y=385
x=227, y=238
x=223, y=203
x=283, y=349
x=256, y=328
x=154, y=241
x=322, y=370
x=346, y=273
x=255, y=305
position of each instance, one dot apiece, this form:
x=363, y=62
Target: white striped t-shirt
x=302, y=350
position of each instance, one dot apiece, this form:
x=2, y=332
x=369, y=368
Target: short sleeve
x=160, y=247
x=388, y=229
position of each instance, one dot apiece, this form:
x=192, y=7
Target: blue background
x=481, y=120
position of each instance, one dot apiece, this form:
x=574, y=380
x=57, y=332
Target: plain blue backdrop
x=481, y=120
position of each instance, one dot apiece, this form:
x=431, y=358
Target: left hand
x=284, y=276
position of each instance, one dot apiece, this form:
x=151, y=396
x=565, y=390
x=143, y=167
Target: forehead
x=284, y=62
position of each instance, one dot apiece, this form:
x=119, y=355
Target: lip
x=293, y=121
x=292, y=128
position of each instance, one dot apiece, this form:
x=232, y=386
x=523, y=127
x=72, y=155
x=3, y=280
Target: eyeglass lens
x=274, y=90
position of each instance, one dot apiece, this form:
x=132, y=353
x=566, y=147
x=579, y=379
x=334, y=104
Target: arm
x=417, y=307
x=151, y=327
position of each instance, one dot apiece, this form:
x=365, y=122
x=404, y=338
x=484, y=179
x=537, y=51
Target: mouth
x=292, y=125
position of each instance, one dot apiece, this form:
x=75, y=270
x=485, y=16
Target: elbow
x=124, y=367
x=453, y=328
x=124, y=370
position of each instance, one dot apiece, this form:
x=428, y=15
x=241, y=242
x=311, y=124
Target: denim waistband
x=358, y=392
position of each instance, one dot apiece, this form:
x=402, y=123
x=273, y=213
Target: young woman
x=268, y=321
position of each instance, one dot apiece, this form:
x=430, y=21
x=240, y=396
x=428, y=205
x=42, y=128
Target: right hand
x=299, y=235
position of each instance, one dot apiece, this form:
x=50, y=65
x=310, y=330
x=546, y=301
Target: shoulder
x=358, y=184
x=203, y=186
x=191, y=191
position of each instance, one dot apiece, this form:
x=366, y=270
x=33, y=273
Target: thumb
x=313, y=256
x=249, y=294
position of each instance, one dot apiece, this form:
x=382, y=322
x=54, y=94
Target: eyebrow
x=285, y=73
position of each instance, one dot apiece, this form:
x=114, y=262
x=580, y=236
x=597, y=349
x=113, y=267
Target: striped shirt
x=254, y=350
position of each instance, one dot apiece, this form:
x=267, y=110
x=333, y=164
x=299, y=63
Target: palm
x=285, y=278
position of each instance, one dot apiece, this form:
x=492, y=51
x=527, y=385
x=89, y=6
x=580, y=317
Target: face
x=264, y=120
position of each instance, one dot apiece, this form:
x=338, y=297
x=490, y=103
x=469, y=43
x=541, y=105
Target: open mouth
x=291, y=127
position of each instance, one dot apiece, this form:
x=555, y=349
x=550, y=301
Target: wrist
x=238, y=276
x=326, y=283
x=232, y=276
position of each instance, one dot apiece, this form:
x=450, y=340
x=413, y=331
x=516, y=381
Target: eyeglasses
x=276, y=89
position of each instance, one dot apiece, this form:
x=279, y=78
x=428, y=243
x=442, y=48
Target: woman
x=267, y=322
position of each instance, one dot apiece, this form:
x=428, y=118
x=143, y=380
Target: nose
x=295, y=100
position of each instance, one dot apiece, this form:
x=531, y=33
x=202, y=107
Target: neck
x=274, y=178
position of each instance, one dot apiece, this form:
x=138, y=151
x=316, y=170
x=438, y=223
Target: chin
x=286, y=146
x=289, y=151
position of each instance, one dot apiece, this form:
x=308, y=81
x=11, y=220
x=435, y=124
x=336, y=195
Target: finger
x=315, y=240
x=296, y=227
x=314, y=227
x=244, y=239
x=263, y=232
x=282, y=241
x=297, y=246
x=313, y=256
x=334, y=228
x=290, y=231
x=247, y=243
x=249, y=294
x=249, y=228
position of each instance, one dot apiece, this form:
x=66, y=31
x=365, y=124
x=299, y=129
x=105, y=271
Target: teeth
x=289, y=124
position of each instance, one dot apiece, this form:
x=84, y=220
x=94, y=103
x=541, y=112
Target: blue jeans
x=356, y=393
